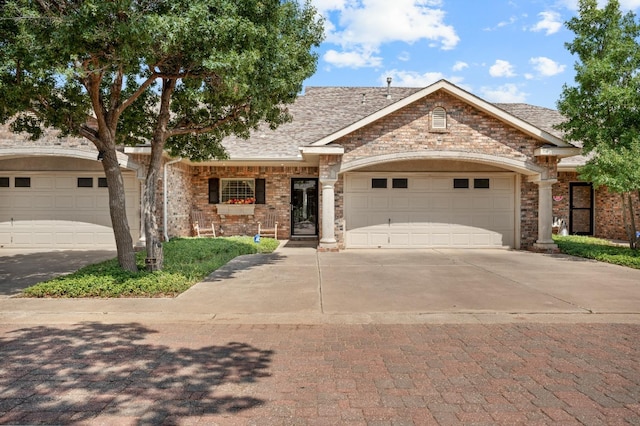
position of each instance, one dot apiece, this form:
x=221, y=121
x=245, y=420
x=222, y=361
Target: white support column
x=545, y=215
x=328, y=239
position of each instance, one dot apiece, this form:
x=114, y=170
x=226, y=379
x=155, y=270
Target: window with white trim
x=238, y=191
x=439, y=118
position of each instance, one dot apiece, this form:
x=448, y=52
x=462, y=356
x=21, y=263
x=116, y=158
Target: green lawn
x=186, y=262
x=602, y=250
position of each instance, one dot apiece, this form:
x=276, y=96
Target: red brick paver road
x=188, y=374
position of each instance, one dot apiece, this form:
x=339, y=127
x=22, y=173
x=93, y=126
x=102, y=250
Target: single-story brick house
x=357, y=167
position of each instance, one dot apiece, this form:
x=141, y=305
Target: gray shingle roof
x=321, y=111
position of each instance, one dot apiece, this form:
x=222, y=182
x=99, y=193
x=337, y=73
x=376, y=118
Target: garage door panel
x=431, y=213
x=441, y=202
x=441, y=184
x=482, y=203
x=400, y=203
x=54, y=213
x=85, y=202
x=379, y=202
x=399, y=239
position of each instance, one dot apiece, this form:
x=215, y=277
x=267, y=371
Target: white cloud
x=505, y=93
x=404, y=56
x=401, y=78
x=546, y=67
x=501, y=69
x=512, y=20
x=550, y=22
x=352, y=59
x=363, y=26
x=459, y=66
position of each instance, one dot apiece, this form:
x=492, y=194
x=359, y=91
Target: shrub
x=186, y=262
x=598, y=249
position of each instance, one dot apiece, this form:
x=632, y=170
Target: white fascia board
x=460, y=94
x=322, y=150
x=555, y=151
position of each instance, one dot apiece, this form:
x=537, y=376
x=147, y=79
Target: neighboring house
x=357, y=167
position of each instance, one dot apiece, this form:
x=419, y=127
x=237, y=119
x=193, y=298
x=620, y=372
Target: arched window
x=439, y=118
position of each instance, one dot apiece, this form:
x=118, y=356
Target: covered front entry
x=61, y=210
x=403, y=210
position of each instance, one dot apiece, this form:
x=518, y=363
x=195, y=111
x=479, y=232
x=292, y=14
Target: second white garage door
x=430, y=210
x=61, y=210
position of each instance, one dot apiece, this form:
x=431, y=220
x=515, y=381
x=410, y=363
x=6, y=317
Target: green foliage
x=617, y=169
x=604, y=107
x=187, y=261
x=597, y=249
x=225, y=66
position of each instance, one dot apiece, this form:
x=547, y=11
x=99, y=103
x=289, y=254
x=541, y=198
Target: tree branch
x=185, y=130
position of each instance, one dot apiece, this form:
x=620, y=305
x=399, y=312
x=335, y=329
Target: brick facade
x=471, y=137
x=278, y=196
x=468, y=130
x=607, y=215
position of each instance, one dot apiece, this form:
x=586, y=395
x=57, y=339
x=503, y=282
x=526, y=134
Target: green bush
x=595, y=248
x=186, y=262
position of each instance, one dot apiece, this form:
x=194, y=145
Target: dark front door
x=304, y=207
x=581, y=208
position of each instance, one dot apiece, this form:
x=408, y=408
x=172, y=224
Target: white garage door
x=430, y=210
x=60, y=210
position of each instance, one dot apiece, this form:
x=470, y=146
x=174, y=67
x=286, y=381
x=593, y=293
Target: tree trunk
x=155, y=256
x=632, y=223
x=118, y=211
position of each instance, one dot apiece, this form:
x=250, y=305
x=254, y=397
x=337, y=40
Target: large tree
x=602, y=110
x=179, y=75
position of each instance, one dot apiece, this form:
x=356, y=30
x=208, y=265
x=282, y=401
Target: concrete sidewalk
x=300, y=285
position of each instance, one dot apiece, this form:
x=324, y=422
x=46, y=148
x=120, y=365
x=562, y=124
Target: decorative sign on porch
x=558, y=197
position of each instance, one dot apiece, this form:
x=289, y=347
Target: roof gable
x=478, y=103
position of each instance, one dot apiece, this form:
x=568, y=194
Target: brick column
x=328, y=239
x=545, y=215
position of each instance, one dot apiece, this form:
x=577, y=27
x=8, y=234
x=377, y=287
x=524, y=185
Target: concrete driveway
x=300, y=285
x=20, y=269
x=419, y=281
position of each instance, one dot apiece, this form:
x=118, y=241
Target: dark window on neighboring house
x=379, y=183
x=102, y=182
x=400, y=183
x=481, y=183
x=85, y=182
x=4, y=182
x=460, y=183
x=23, y=182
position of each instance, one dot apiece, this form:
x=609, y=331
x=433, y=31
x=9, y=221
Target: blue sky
x=500, y=50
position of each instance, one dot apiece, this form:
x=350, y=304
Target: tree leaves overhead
x=604, y=105
x=235, y=62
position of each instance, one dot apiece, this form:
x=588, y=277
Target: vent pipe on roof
x=364, y=98
x=388, y=87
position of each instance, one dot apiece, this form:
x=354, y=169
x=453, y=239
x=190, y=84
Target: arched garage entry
x=61, y=202
x=430, y=200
